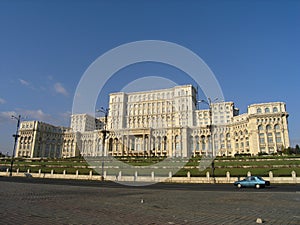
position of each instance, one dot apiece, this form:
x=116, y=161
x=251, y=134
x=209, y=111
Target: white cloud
x=66, y=115
x=24, y=82
x=35, y=115
x=26, y=114
x=63, y=119
x=2, y=101
x=6, y=116
x=149, y=83
x=58, y=87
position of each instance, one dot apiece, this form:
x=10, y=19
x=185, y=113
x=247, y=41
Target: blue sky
x=45, y=47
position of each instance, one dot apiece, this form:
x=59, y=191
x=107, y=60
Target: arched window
x=203, y=142
x=153, y=143
x=209, y=143
x=268, y=127
x=267, y=110
x=158, y=139
x=177, y=142
x=258, y=110
x=110, y=145
x=277, y=127
x=260, y=128
x=275, y=109
x=191, y=142
x=165, y=143
x=197, y=143
x=116, y=143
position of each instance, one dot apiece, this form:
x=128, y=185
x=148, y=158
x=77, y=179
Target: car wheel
x=257, y=186
x=239, y=185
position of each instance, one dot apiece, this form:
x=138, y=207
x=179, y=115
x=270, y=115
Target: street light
x=104, y=131
x=209, y=102
x=15, y=144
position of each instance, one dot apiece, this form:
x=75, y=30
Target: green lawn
x=281, y=166
x=242, y=172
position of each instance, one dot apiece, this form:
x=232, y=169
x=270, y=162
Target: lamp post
x=209, y=102
x=15, y=144
x=104, y=131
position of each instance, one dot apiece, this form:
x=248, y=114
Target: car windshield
x=260, y=178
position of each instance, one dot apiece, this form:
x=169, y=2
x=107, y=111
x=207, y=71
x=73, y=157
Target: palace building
x=161, y=123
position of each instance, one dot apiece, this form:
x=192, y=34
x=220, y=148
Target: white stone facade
x=38, y=139
x=168, y=123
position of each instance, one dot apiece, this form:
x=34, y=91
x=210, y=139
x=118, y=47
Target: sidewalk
x=29, y=203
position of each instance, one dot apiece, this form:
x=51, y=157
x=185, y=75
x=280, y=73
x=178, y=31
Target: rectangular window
x=270, y=137
x=247, y=143
x=203, y=145
x=278, y=137
x=261, y=138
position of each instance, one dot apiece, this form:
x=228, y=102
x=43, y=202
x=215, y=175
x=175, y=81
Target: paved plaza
x=65, y=202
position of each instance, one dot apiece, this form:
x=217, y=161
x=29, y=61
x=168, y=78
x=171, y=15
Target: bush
x=242, y=154
x=262, y=153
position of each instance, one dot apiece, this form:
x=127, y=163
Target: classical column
x=208, y=145
x=194, y=140
x=127, y=144
x=143, y=147
x=122, y=146
x=282, y=138
x=266, y=141
x=149, y=143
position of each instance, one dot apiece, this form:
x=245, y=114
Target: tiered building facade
x=165, y=123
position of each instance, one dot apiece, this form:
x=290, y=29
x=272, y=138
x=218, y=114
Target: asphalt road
x=162, y=186
x=53, y=201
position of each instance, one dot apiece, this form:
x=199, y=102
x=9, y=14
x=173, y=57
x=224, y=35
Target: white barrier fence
x=293, y=179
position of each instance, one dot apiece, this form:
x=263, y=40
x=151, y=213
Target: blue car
x=252, y=181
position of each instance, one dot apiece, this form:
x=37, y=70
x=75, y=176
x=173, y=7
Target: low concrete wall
x=293, y=179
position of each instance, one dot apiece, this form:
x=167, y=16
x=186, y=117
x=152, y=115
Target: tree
x=297, y=149
x=291, y=150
